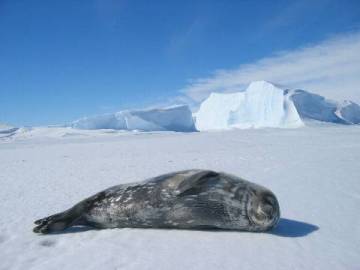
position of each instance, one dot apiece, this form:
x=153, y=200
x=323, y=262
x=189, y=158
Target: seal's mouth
x=263, y=211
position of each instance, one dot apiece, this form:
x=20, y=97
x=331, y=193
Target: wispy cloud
x=188, y=36
x=330, y=68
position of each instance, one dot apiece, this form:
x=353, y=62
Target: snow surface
x=175, y=118
x=313, y=171
x=264, y=104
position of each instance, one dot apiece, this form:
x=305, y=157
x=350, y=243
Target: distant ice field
x=314, y=171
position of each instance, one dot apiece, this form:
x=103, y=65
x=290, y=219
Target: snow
x=264, y=104
x=175, y=118
x=261, y=105
x=313, y=171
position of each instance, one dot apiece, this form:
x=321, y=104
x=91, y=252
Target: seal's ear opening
x=195, y=183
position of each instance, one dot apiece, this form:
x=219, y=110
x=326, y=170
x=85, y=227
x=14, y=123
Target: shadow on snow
x=293, y=228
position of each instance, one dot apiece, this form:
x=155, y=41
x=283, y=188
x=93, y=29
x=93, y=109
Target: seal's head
x=262, y=210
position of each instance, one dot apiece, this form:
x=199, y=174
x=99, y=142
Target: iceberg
x=264, y=104
x=316, y=107
x=175, y=118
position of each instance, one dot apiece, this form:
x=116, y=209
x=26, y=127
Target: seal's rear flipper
x=68, y=218
x=56, y=223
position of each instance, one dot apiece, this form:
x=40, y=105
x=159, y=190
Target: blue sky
x=61, y=60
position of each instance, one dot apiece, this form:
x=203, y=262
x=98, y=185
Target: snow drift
x=264, y=104
x=176, y=118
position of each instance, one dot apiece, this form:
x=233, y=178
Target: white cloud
x=330, y=68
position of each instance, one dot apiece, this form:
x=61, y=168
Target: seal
x=191, y=199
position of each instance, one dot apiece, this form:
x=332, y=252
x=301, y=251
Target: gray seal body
x=192, y=199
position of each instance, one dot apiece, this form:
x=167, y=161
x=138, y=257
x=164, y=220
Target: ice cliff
x=175, y=118
x=313, y=106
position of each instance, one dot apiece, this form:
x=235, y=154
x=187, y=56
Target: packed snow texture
x=313, y=172
x=264, y=104
x=176, y=118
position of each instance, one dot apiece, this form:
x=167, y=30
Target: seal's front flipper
x=197, y=183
